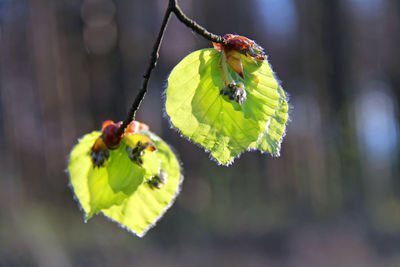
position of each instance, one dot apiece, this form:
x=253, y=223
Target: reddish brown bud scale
x=110, y=135
x=238, y=43
x=243, y=45
x=111, y=139
x=235, y=46
x=99, y=145
x=135, y=126
x=234, y=61
x=106, y=123
x=218, y=46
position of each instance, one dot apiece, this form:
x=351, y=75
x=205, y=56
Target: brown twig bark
x=173, y=7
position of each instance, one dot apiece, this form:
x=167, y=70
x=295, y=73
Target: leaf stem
x=173, y=7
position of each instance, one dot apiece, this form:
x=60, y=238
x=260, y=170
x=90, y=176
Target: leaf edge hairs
x=246, y=51
x=127, y=141
x=169, y=191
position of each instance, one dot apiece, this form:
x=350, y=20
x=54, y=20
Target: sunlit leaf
x=120, y=189
x=222, y=126
x=146, y=205
x=271, y=139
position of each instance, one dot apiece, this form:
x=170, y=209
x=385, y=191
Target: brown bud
x=111, y=136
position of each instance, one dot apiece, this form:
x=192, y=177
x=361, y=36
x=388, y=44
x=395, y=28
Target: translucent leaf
x=146, y=205
x=271, y=139
x=120, y=188
x=222, y=126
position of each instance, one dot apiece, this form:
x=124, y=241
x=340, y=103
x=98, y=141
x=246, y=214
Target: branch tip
x=173, y=7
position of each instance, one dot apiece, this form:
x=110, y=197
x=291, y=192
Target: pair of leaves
x=197, y=108
x=120, y=189
x=227, y=110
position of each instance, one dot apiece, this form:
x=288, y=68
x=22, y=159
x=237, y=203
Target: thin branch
x=172, y=8
x=193, y=25
x=146, y=77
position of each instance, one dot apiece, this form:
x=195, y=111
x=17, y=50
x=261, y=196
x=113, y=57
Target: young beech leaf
x=206, y=102
x=271, y=139
x=122, y=188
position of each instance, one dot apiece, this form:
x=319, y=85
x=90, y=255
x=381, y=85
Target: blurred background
x=331, y=199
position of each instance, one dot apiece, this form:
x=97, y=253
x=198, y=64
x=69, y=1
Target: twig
x=193, y=25
x=172, y=8
x=146, y=77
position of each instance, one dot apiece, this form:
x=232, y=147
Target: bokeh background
x=331, y=199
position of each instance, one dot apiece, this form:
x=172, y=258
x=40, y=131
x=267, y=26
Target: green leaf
x=112, y=184
x=271, y=139
x=146, y=206
x=222, y=126
x=119, y=189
